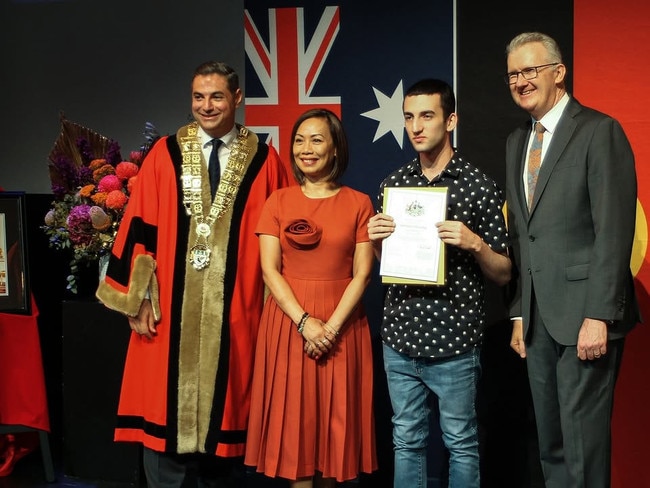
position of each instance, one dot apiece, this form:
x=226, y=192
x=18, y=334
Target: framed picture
x=15, y=294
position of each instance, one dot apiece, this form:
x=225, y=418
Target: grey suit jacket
x=572, y=250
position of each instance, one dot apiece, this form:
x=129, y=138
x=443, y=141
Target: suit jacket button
x=531, y=238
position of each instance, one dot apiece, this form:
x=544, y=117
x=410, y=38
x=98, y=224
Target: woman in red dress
x=311, y=418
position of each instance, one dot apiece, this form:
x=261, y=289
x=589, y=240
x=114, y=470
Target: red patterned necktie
x=534, y=161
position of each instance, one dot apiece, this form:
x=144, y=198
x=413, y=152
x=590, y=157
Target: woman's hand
x=319, y=338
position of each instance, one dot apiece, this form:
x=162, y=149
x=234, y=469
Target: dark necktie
x=534, y=161
x=214, y=169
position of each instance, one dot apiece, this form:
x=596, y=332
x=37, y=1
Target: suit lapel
x=519, y=159
x=563, y=134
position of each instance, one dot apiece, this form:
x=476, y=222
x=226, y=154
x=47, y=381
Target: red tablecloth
x=23, y=399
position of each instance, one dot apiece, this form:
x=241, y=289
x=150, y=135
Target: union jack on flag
x=350, y=58
x=288, y=67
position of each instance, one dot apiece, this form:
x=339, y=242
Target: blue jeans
x=453, y=380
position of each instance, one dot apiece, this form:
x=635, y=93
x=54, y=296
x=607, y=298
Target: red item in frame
x=23, y=398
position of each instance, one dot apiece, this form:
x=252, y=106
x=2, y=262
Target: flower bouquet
x=91, y=186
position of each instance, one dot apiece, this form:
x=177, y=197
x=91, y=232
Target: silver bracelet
x=302, y=321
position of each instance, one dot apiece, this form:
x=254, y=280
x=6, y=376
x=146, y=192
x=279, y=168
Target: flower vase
x=103, y=265
x=87, y=280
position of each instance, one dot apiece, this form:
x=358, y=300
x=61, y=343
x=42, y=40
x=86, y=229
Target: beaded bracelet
x=302, y=321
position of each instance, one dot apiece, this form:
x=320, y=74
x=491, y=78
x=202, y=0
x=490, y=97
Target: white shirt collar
x=226, y=139
x=552, y=117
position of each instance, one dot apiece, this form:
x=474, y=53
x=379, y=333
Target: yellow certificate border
x=440, y=279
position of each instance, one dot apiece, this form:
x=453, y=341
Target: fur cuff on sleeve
x=143, y=281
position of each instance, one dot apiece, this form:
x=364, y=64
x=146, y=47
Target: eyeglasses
x=526, y=73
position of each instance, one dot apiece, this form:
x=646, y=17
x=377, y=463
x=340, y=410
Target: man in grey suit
x=571, y=215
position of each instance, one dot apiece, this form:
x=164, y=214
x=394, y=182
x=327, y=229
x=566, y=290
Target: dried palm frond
x=74, y=148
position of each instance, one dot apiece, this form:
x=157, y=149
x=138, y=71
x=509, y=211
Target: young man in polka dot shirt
x=432, y=334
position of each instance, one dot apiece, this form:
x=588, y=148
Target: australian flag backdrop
x=354, y=58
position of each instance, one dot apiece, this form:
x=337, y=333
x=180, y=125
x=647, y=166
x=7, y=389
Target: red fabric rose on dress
x=303, y=234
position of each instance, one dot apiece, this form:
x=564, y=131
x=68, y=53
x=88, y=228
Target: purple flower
x=66, y=175
x=59, y=191
x=85, y=150
x=113, y=155
x=80, y=225
x=85, y=176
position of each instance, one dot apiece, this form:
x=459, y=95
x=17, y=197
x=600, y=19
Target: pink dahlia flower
x=109, y=183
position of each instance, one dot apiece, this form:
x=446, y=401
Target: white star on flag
x=389, y=114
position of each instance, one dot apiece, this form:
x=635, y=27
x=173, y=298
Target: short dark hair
x=218, y=68
x=338, y=137
x=431, y=86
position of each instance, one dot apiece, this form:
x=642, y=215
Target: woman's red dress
x=309, y=415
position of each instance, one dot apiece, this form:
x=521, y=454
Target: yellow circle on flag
x=640, y=244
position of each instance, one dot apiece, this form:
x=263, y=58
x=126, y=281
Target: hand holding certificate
x=414, y=254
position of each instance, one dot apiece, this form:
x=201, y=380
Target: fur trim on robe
x=187, y=389
x=143, y=282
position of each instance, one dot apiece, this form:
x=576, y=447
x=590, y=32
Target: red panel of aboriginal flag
x=611, y=73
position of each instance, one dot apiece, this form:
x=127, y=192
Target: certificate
x=414, y=253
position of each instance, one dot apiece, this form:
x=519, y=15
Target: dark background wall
x=487, y=114
x=108, y=65
x=113, y=67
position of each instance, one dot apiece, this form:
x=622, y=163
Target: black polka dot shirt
x=442, y=321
